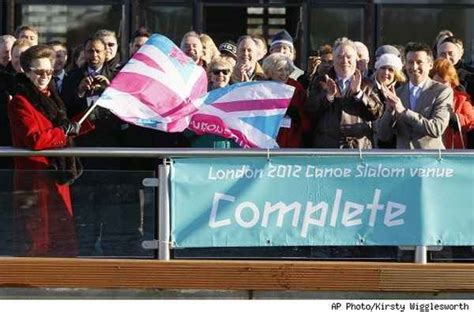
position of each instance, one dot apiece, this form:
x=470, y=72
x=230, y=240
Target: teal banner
x=322, y=200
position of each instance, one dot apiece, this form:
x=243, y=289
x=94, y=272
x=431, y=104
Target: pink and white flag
x=161, y=88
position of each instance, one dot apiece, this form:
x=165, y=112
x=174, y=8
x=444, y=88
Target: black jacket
x=107, y=131
x=7, y=89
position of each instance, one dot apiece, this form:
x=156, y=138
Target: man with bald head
x=191, y=45
x=363, y=59
x=343, y=102
x=27, y=32
x=247, y=67
x=451, y=49
x=6, y=43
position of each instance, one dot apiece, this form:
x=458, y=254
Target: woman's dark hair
x=33, y=53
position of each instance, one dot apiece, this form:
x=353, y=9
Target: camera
x=314, y=53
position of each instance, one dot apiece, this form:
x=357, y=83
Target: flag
x=162, y=88
x=157, y=87
x=250, y=113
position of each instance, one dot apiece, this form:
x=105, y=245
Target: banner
x=323, y=200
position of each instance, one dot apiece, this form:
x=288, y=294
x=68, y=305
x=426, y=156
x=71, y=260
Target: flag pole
x=458, y=124
x=88, y=112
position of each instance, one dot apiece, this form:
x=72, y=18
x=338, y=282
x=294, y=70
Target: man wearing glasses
x=112, y=58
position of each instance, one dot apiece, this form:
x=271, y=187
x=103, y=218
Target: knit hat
x=389, y=59
x=386, y=49
x=229, y=48
x=282, y=37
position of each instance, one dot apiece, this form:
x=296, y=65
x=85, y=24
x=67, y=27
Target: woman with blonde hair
x=295, y=124
x=209, y=48
x=461, y=119
x=219, y=72
x=388, y=71
x=388, y=74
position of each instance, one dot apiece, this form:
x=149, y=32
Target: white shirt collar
x=344, y=80
x=420, y=86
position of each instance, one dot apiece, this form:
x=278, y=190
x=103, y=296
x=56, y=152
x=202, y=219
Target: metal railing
x=163, y=242
x=112, y=152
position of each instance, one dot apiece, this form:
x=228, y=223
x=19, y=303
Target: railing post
x=163, y=212
x=421, y=253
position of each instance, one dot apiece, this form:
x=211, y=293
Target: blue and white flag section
x=322, y=200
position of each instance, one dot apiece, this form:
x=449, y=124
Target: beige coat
x=423, y=127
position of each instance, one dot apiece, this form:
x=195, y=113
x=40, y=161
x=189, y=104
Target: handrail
x=263, y=275
x=209, y=152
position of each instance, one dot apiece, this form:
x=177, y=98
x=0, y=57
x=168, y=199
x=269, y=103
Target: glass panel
x=277, y=21
x=6, y=211
x=255, y=10
x=254, y=21
x=102, y=214
x=374, y=253
x=328, y=24
x=277, y=10
x=172, y=22
x=398, y=25
x=70, y=23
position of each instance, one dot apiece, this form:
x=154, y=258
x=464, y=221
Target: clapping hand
x=356, y=82
x=392, y=100
x=329, y=86
x=242, y=68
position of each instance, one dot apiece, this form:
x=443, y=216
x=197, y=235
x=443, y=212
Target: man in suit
x=59, y=74
x=418, y=112
x=98, y=197
x=342, y=103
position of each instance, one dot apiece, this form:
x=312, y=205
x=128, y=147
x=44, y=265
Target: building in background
x=311, y=22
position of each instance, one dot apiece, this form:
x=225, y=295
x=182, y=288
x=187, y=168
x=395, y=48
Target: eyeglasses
x=41, y=72
x=218, y=71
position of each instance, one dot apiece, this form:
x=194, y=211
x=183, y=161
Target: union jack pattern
x=162, y=88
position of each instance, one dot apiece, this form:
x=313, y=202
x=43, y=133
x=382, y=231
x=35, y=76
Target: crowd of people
x=413, y=97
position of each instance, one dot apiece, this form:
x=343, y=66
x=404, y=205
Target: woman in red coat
x=462, y=116
x=295, y=124
x=44, y=225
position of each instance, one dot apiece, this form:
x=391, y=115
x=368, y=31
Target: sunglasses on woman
x=218, y=71
x=41, y=72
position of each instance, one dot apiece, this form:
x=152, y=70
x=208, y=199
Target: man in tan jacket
x=418, y=112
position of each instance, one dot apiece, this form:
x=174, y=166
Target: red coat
x=293, y=137
x=464, y=110
x=43, y=212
